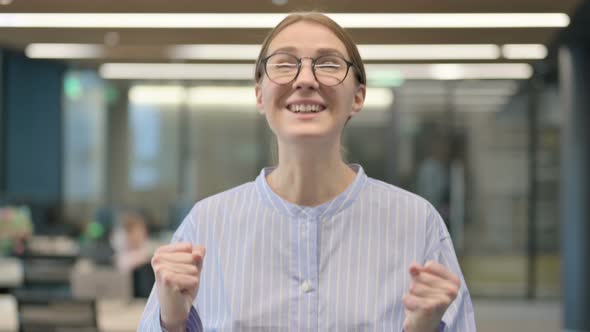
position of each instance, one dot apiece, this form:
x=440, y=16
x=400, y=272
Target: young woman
x=312, y=244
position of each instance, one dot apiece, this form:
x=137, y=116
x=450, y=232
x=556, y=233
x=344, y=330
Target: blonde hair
x=321, y=19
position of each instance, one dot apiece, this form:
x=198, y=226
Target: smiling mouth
x=305, y=108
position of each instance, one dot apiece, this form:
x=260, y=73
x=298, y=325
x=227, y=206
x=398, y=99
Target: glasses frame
x=313, y=62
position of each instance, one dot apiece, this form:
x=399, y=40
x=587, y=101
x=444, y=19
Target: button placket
x=305, y=286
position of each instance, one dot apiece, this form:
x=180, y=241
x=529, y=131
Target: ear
x=259, y=105
x=359, y=99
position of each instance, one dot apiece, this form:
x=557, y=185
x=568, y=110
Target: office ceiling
x=148, y=44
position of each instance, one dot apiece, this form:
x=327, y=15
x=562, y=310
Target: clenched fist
x=432, y=290
x=177, y=268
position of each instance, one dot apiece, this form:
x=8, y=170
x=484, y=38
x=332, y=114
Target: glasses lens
x=281, y=68
x=330, y=69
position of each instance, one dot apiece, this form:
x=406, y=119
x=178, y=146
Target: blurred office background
x=112, y=127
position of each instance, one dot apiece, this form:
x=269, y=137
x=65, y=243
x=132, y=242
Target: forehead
x=307, y=38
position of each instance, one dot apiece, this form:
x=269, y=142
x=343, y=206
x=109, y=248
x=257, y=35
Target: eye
x=284, y=65
x=328, y=66
x=329, y=63
x=281, y=63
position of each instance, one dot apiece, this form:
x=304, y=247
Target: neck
x=310, y=175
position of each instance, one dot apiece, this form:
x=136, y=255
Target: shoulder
x=225, y=197
x=208, y=209
x=392, y=198
x=391, y=193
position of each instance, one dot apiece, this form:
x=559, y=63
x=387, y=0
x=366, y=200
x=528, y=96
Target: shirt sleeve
x=459, y=316
x=150, y=320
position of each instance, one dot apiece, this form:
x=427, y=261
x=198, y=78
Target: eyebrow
x=319, y=51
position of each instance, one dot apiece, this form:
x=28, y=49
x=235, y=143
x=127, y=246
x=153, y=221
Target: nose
x=306, y=79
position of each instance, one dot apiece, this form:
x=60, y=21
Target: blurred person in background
x=134, y=249
x=313, y=243
x=131, y=242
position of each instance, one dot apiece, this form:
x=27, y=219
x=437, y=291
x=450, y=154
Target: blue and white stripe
x=341, y=266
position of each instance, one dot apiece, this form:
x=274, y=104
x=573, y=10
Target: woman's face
x=280, y=103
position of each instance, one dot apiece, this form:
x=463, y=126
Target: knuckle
x=166, y=278
x=156, y=259
x=429, y=308
x=453, y=292
x=160, y=272
x=444, y=304
x=406, y=299
x=194, y=283
x=191, y=269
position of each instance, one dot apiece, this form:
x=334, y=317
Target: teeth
x=305, y=108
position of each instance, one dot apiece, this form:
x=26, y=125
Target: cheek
x=268, y=106
x=272, y=97
x=345, y=100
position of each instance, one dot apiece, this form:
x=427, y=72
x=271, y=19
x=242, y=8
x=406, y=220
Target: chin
x=308, y=135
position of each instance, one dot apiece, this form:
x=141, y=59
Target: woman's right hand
x=177, y=268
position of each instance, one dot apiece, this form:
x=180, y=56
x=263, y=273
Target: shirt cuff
x=441, y=327
x=193, y=323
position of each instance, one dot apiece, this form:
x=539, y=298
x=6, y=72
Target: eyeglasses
x=328, y=70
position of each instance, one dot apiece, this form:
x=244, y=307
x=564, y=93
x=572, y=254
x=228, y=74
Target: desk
x=12, y=275
x=9, y=313
x=119, y=315
x=53, y=246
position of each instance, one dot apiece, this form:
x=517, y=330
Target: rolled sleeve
x=193, y=323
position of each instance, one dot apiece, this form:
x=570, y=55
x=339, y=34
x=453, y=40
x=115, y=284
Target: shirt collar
x=327, y=209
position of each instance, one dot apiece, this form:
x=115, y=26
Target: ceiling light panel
x=251, y=51
x=437, y=71
x=269, y=20
x=524, y=51
x=65, y=51
x=430, y=52
x=162, y=71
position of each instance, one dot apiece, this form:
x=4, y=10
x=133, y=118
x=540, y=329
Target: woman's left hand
x=432, y=290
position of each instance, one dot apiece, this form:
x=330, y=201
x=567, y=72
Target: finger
x=176, y=257
x=436, y=282
x=440, y=270
x=411, y=302
x=428, y=278
x=198, y=253
x=187, y=269
x=448, y=292
x=415, y=269
x=428, y=306
x=176, y=247
x=179, y=282
x=198, y=261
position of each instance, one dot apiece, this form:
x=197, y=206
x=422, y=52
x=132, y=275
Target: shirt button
x=305, y=286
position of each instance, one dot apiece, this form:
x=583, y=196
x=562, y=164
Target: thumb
x=199, y=253
x=415, y=269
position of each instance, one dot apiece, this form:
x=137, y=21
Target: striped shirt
x=341, y=266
